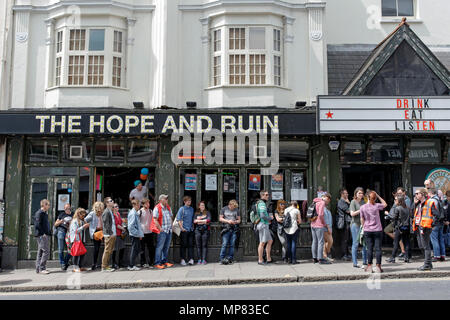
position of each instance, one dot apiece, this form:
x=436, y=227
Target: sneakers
x=183, y=263
x=223, y=262
x=199, y=262
x=435, y=259
x=324, y=261
x=425, y=268
x=364, y=266
x=204, y=262
x=168, y=265
x=401, y=255
x=44, y=272
x=390, y=260
x=315, y=260
x=134, y=268
x=191, y=262
x=76, y=270
x=109, y=269
x=442, y=258
x=160, y=266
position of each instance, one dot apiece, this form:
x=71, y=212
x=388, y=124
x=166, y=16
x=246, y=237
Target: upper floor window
x=89, y=57
x=247, y=56
x=397, y=8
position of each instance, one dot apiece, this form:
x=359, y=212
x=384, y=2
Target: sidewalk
x=205, y=275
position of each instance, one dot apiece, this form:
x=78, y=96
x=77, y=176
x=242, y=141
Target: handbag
x=78, y=248
x=176, y=227
x=98, y=236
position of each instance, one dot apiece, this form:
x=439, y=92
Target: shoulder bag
x=78, y=248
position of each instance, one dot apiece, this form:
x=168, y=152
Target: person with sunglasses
x=120, y=243
x=279, y=217
x=263, y=229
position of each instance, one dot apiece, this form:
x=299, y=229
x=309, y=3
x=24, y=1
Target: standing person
x=231, y=218
x=343, y=222
x=162, y=217
x=185, y=218
x=423, y=223
x=76, y=232
x=263, y=228
x=42, y=233
x=62, y=227
x=437, y=233
x=446, y=204
x=120, y=243
x=400, y=216
x=327, y=234
x=317, y=229
x=109, y=234
x=139, y=192
x=373, y=230
x=355, y=205
x=94, y=218
x=136, y=234
x=279, y=217
x=146, y=217
x=292, y=232
x=202, y=219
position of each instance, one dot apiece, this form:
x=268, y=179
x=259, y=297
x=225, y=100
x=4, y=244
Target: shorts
x=264, y=232
x=389, y=228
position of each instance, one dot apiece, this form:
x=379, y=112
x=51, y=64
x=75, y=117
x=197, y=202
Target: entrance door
x=58, y=191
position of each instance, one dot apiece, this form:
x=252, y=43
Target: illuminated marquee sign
x=343, y=114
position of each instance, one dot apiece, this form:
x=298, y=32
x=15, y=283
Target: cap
x=163, y=196
x=137, y=182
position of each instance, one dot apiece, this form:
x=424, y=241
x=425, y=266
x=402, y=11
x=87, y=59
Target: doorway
x=59, y=191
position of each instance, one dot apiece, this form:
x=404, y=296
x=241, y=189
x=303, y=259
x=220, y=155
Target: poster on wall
x=277, y=195
x=211, y=182
x=276, y=183
x=299, y=194
x=297, y=180
x=440, y=178
x=254, y=182
x=190, y=182
x=229, y=184
x=62, y=200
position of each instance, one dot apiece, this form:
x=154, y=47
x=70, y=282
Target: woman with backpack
x=202, y=219
x=279, y=217
x=76, y=233
x=292, y=215
x=400, y=216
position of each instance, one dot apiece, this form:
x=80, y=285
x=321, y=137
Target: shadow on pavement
x=14, y=282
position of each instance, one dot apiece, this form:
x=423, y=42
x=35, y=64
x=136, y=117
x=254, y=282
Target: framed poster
x=254, y=182
x=229, y=184
x=277, y=195
x=62, y=200
x=299, y=194
x=210, y=182
x=277, y=182
x=297, y=180
x=190, y=181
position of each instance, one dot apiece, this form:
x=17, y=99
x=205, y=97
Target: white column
x=50, y=53
x=206, y=59
x=130, y=45
x=288, y=49
x=20, y=63
x=317, y=71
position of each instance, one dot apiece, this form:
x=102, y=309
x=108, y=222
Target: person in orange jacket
x=425, y=210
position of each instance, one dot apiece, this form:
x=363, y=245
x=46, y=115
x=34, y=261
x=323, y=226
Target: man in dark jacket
x=343, y=223
x=42, y=233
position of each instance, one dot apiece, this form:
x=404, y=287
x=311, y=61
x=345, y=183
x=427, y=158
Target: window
x=43, y=151
x=397, y=8
x=385, y=151
x=353, y=151
x=252, y=56
x=142, y=151
x=93, y=57
x=425, y=151
x=76, y=151
x=111, y=151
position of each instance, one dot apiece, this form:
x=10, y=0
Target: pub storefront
x=80, y=157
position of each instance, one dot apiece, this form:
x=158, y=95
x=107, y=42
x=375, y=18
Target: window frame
x=109, y=55
x=413, y=2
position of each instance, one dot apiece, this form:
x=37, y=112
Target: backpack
x=311, y=213
x=254, y=216
x=441, y=217
x=287, y=223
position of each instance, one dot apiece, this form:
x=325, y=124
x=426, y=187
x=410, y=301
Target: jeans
x=404, y=236
x=291, y=241
x=162, y=247
x=355, y=230
x=201, y=240
x=135, y=249
x=373, y=239
x=437, y=240
x=228, y=240
x=97, y=245
x=187, y=243
x=61, y=235
x=148, y=241
x=283, y=240
x=343, y=236
x=424, y=241
x=43, y=252
x=317, y=243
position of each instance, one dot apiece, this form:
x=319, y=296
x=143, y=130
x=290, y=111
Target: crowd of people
x=427, y=216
